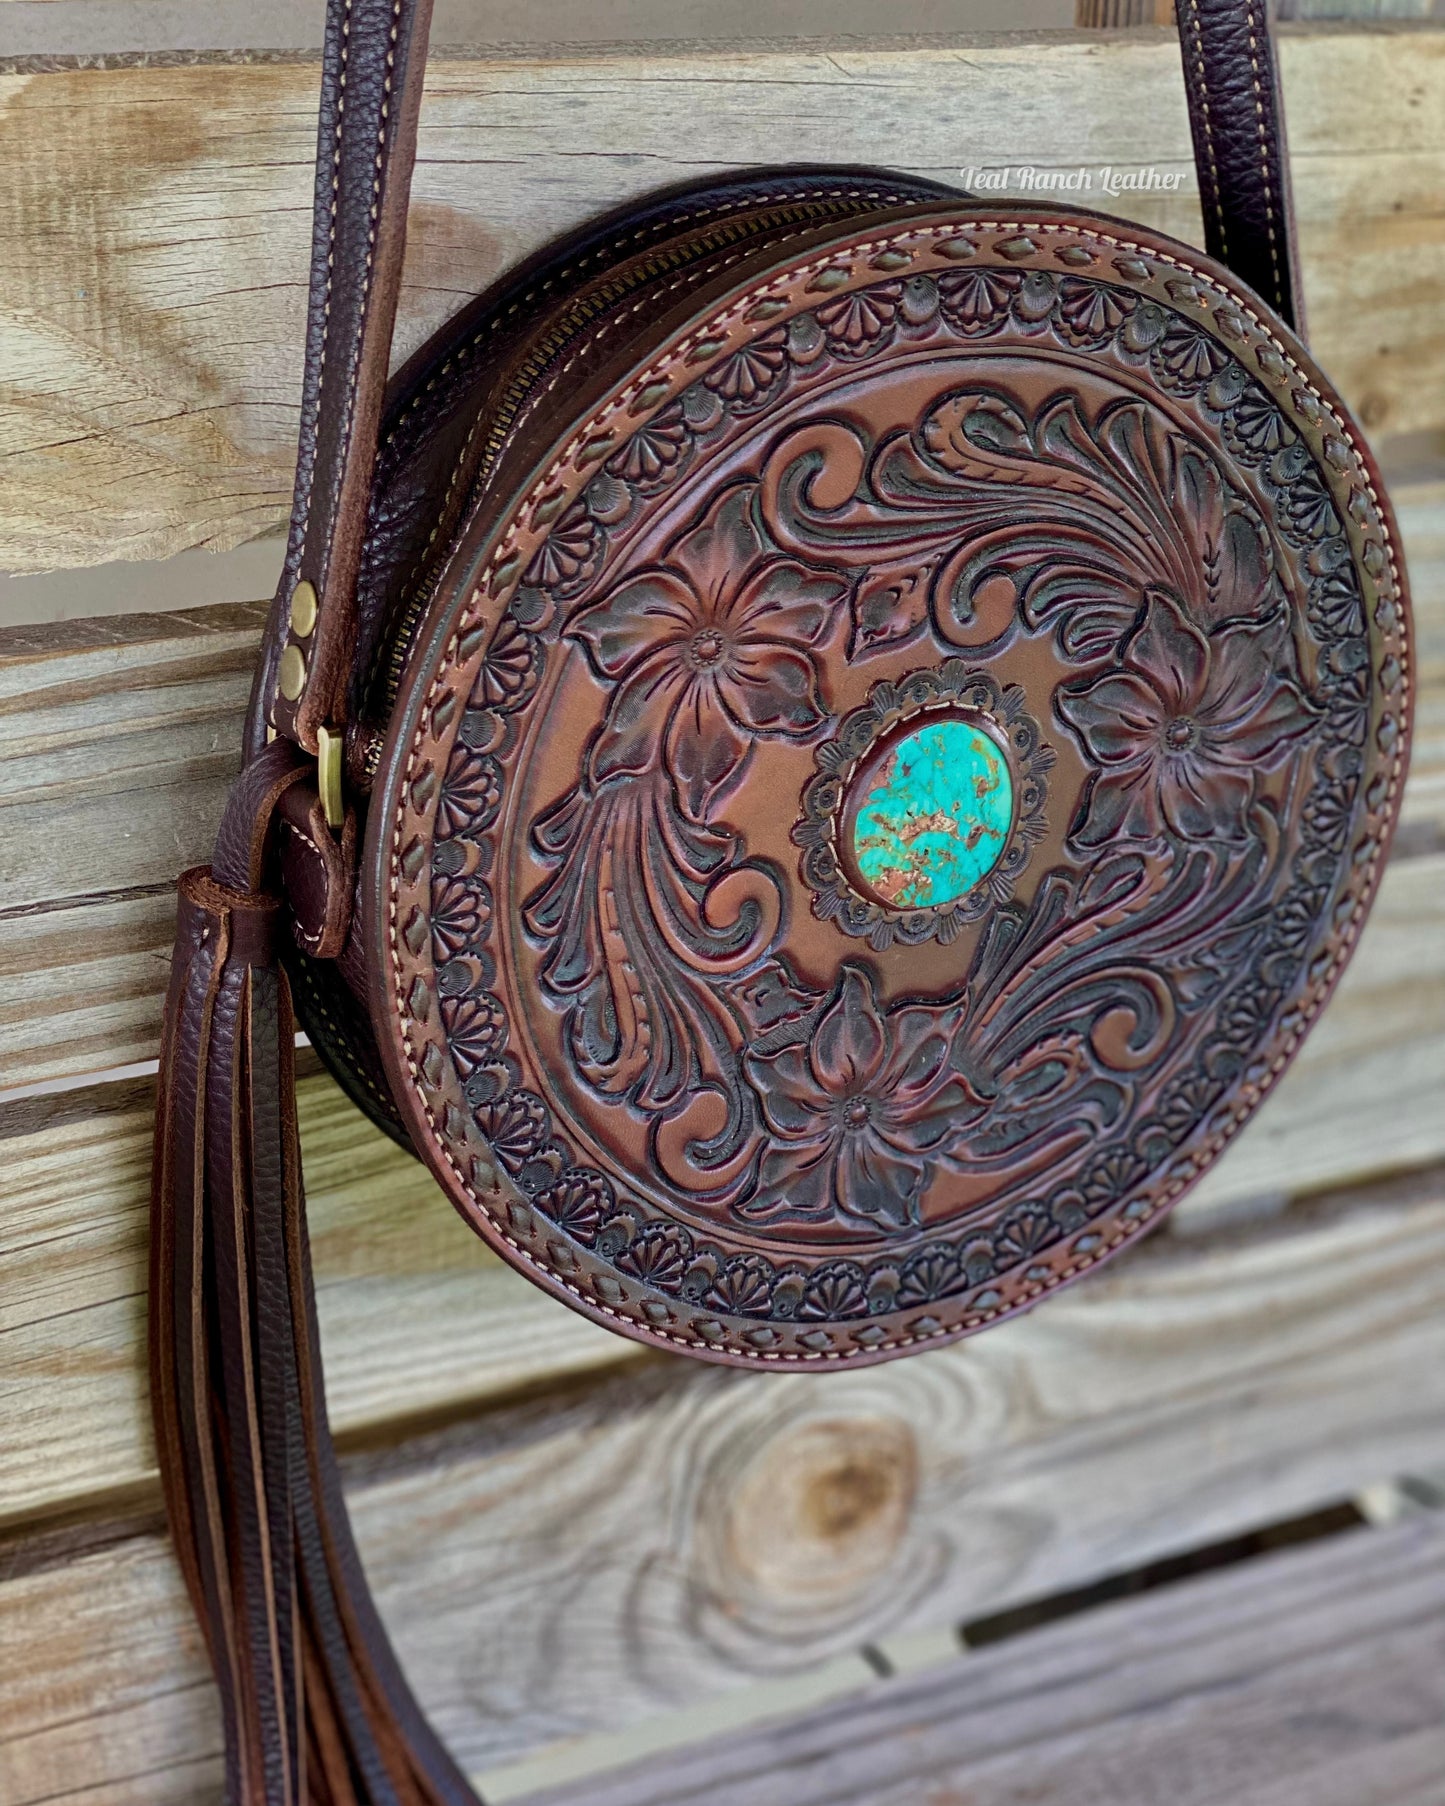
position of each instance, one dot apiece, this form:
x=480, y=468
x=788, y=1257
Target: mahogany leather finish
x=1029, y=470
x=631, y=599
x=318, y=872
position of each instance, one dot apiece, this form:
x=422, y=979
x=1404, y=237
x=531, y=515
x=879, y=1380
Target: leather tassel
x=314, y=1707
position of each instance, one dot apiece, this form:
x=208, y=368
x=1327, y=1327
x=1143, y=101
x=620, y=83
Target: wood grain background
x=155, y=223
x=569, y=1536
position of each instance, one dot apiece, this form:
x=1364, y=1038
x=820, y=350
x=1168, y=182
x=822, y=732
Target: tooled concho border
x=744, y=1306
x=889, y=705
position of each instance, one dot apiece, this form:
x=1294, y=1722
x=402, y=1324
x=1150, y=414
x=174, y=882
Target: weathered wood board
x=118, y=741
x=119, y=738
x=1314, y=1677
x=569, y=1535
x=419, y=1318
x=588, y=1560
x=155, y=222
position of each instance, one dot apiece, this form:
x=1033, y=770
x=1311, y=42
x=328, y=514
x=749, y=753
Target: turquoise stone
x=934, y=815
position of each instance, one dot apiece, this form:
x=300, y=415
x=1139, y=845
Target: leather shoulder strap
x=1237, y=119
x=371, y=87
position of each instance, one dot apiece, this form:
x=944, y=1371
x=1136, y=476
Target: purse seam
x=1210, y=1149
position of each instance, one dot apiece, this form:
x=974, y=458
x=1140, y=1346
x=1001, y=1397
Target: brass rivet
x=303, y=609
x=292, y=675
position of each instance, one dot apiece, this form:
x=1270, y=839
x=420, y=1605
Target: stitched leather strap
x=1237, y=119
x=313, y=1704
x=366, y=143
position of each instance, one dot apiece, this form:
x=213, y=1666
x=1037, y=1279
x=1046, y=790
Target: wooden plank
x=118, y=741
x=155, y=222
x=1309, y=1678
x=416, y=1315
x=596, y=1559
x=419, y=1318
x=138, y=719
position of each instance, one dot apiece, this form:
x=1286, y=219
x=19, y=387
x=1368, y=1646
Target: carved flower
x=854, y=321
x=1255, y=426
x=929, y=1274
x=659, y=1256
x=471, y=793
x=1024, y=1231
x=569, y=554
x=835, y=1291
x=744, y=1286
x=1182, y=725
x=1191, y=357
x=654, y=452
x=1307, y=507
x=1092, y=311
x=855, y=1112
x=508, y=669
x=515, y=1126
x=476, y=1029
x=461, y=909
x=707, y=652
x=974, y=300
x=1336, y=605
x=751, y=369
x=577, y=1203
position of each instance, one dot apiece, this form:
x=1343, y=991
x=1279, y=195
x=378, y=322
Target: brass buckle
x=328, y=774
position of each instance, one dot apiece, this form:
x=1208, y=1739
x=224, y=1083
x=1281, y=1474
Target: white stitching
x=1252, y=28
x=1118, y=1233
x=311, y=941
x=1203, y=77
x=377, y=168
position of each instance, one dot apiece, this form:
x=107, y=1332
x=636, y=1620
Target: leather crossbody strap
x=315, y=1710
x=313, y=1704
x=371, y=88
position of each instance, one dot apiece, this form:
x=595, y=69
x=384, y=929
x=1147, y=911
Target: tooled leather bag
x=817, y=752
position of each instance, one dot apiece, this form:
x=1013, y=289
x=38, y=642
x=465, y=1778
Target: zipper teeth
x=580, y=314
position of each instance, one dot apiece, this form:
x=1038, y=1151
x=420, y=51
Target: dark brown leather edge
x=318, y=871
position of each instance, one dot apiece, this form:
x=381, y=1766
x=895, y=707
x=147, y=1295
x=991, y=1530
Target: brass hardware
x=303, y=609
x=328, y=774
x=292, y=675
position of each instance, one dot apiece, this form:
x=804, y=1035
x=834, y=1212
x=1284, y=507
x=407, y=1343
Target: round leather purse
x=818, y=751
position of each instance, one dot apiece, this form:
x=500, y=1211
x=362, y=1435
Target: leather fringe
x=314, y=1707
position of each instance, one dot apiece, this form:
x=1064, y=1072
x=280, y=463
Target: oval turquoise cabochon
x=934, y=817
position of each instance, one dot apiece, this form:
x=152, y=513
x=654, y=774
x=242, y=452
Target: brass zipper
x=578, y=316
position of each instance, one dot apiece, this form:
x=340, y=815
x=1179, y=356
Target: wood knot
x=823, y=1508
